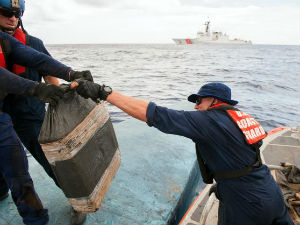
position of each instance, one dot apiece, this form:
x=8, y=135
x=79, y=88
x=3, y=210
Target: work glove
x=92, y=90
x=85, y=75
x=48, y=92
x=213, y=189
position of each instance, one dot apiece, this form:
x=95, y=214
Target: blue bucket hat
x=216, y=90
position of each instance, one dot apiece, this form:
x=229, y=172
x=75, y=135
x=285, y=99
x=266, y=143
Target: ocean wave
x=204, y=74
x=223, y=70
x=265, y=79
x=271, y=124
x=252, y=57
x=288, y=88
x=249, y=84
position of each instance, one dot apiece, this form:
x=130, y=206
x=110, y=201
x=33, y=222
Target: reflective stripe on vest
x=251, y=129
x=20, y=36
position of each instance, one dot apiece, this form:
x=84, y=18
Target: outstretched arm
x=166, y=120
x=28, y=57
x=12, y=83
x=134, y=107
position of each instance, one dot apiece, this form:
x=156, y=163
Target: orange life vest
x=2, y=57
x=20, y=36
x=253, y=133
x=16, y=69
x=252, y=130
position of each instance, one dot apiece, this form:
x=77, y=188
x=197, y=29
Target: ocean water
x=265, y=79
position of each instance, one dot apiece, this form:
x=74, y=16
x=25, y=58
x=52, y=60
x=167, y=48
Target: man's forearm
x=12, y=83
x=51, y=80
x=28, y=57
x=31, y=58
x=134, y=107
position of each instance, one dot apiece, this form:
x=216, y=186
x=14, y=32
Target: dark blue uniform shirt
x=223, y=148
x=221, y=143
x=28, y=57
x=27, y=109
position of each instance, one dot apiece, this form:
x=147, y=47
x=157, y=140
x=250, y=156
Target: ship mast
x=207, y=29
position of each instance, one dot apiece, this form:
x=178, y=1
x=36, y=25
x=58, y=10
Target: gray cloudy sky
x=158, y=21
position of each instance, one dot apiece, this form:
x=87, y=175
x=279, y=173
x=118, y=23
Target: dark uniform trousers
x=14, y=171
x=28, y=132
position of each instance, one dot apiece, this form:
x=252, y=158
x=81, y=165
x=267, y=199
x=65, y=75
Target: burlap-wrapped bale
x=79, y=142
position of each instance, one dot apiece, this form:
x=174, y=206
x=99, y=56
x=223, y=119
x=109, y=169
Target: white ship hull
x=208, y=37
x=190, y=41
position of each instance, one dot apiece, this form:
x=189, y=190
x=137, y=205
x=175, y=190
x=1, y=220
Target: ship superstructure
x=208, y=37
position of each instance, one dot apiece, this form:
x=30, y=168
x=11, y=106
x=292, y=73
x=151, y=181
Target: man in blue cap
x=227, y=145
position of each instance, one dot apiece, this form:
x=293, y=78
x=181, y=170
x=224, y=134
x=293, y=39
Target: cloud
x=157, y=21
x=97, y=3
x=238, y=3
x=46, y=11
x=129, y=4
x=138, y=4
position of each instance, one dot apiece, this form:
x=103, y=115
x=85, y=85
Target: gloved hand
x=85, y=75
x=213, y=189
x=48, y=93
x=92, y=90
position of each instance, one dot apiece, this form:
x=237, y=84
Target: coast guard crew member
x=13, y=161
x=227, y=146
x=27, y=112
